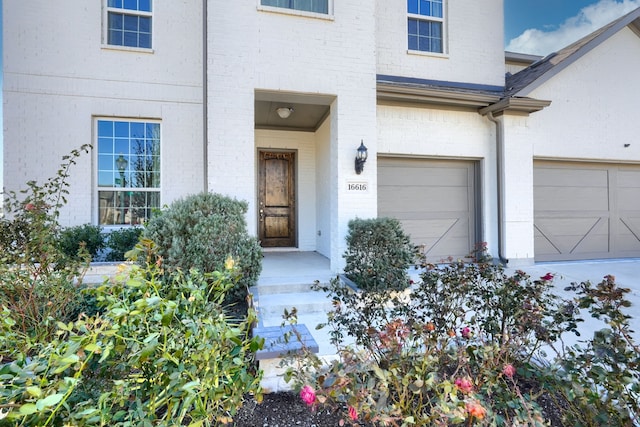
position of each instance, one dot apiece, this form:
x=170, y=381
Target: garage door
x=586, y=211
x=434, y=200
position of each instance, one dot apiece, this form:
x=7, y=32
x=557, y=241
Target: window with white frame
x=129, y=23
x=316, y=6
x=128, y=171
x=426, y=25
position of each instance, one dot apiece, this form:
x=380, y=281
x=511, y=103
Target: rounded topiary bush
x=378, y=254
x=202, y=231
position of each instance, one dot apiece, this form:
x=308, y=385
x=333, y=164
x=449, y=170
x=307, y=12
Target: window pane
x=105, y=179
x=413, y=42
x=144, y=5
x=137, y=130
x=121, y=129
x=115, y=3
x=413, y=26
x=412, y=6
x=130, y=23
x=425, y=7
x=115, y=21
x=144, y=24
x=318, y=6
x=144, y=40
x=131, y=4
x=105, y=128
x=436, y=9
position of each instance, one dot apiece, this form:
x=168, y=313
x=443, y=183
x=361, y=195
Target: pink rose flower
x=308, y=395
x=30, y=207
x=509, y=370
x=547, y=277
x=353, y=414
x=464, y=385
x=466, y=332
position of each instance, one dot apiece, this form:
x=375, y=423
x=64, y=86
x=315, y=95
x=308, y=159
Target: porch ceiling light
x=361, y=158
x=284, y=112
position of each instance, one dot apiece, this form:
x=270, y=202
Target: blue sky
x=541, y=27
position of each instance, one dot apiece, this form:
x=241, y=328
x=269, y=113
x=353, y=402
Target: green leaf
x=92, y=347
x=34, y=391
x=28, y=409
x=48, y=401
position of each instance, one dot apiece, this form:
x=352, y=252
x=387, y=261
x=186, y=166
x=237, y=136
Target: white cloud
x=540, y=42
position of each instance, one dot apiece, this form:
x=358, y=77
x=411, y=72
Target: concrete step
x=273, y=305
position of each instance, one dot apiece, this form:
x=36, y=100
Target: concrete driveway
x=626, y=272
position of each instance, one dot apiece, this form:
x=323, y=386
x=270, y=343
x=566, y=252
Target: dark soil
x=288, y=410
x=284, y=410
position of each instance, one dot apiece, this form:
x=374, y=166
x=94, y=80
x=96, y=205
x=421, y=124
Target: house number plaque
x=357, y=186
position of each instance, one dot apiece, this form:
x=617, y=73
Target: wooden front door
x=276, y=199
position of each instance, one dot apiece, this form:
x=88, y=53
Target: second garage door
x=586, y=211
x=434, y=200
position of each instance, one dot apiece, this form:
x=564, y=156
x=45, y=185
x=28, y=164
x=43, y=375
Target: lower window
x=317, y=6
x=128, y=171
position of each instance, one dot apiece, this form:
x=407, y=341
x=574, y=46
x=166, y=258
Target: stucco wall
x=59, y=76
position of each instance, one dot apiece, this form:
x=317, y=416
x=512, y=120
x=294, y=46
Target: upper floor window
x=316, y=6
x=426, y=25
x=129, y=23
x=128, y=171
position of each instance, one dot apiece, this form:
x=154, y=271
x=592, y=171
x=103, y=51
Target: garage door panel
x=629, y=179
x=571, y=198
x=570, y=177
x=428, y=231
x=436, y=177
x=628, y=236
x=423, y=199
x=586, y=211
x=628, y=199
x=434, y=201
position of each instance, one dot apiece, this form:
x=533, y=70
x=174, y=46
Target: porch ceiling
x=309, y=110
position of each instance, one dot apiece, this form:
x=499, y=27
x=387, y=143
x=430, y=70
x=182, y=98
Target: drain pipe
x=500, y=176
x=205, y=111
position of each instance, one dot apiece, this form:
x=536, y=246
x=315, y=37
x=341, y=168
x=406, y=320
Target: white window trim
x=95, y=210
x=445, y=32
x=286, y=11
x=105, y=28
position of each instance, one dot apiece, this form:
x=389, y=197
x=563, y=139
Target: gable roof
x=522, y=83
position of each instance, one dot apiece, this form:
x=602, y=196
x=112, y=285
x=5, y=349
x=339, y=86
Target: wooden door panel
x=277, y=199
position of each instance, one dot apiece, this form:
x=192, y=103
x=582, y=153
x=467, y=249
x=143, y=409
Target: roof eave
x=518, y=105
x=438, y=96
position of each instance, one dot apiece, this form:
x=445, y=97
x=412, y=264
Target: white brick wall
x=475, y=37
x=58, y=76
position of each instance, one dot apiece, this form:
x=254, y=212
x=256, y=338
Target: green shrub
x=378, y=254
x=75, y=240
x=201, y=232
x=163, y=352
x=122, y=241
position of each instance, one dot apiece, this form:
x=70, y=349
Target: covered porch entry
x=293, y=139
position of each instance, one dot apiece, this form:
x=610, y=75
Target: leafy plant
x=37, y=278
x=80, y=240
x=163, y=352
x=122, y=241
x=378, y=254
x=599, y=378
x=201, y=231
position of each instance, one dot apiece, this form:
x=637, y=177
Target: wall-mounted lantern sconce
x=361, y=158
x=284, y=112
